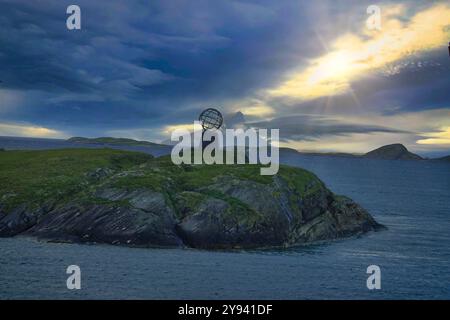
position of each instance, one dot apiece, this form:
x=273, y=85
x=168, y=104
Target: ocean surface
x=411, y=198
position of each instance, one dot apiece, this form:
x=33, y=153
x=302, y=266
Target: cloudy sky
x=313, y=69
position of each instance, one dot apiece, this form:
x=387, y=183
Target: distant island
x=134, y=199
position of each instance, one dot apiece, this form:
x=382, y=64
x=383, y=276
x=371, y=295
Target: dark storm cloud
x=155, y=59
x=38, y=52
x=307, y=127
x=137, y=64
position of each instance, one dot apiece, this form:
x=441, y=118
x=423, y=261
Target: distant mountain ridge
x=394, y=151
x=112, y=141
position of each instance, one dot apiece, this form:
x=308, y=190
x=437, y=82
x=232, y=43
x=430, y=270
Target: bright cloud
x=188, y=126
x=253, y=108
x=352, y=56
x=441, y=137
x=19, y=130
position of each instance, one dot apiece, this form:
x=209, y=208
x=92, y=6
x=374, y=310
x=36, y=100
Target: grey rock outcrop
x=267, y=216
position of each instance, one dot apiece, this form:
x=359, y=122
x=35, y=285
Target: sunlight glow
x=253, y=108
x=188, y=126
x=353, y=56
x=441, y=137
x=28, y=131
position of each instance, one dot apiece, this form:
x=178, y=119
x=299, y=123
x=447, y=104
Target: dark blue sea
x=411, y=198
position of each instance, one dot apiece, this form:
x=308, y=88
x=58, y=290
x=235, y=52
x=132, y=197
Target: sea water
x=411, y=198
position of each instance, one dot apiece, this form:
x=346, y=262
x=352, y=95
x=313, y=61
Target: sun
x=356, y=54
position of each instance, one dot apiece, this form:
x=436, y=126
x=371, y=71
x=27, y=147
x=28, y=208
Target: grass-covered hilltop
x=131, y=198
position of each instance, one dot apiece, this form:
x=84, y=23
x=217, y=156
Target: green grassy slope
x=34, y=177
x=37, y=177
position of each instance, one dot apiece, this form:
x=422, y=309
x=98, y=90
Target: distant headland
x=392, y=152
x=111, y=141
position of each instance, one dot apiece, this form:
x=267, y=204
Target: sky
x=316, y=70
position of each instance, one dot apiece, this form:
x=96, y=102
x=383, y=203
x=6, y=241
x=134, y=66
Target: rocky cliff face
x=151, y=202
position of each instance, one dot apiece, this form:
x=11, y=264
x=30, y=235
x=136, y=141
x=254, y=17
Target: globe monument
x=210, y=119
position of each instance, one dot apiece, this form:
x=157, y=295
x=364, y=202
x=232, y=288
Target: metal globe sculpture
x=210, y=119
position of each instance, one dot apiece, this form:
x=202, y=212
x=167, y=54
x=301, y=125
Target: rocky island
x=131, y=198
x=395, y=151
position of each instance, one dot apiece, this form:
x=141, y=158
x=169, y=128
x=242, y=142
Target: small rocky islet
x=134, y=199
